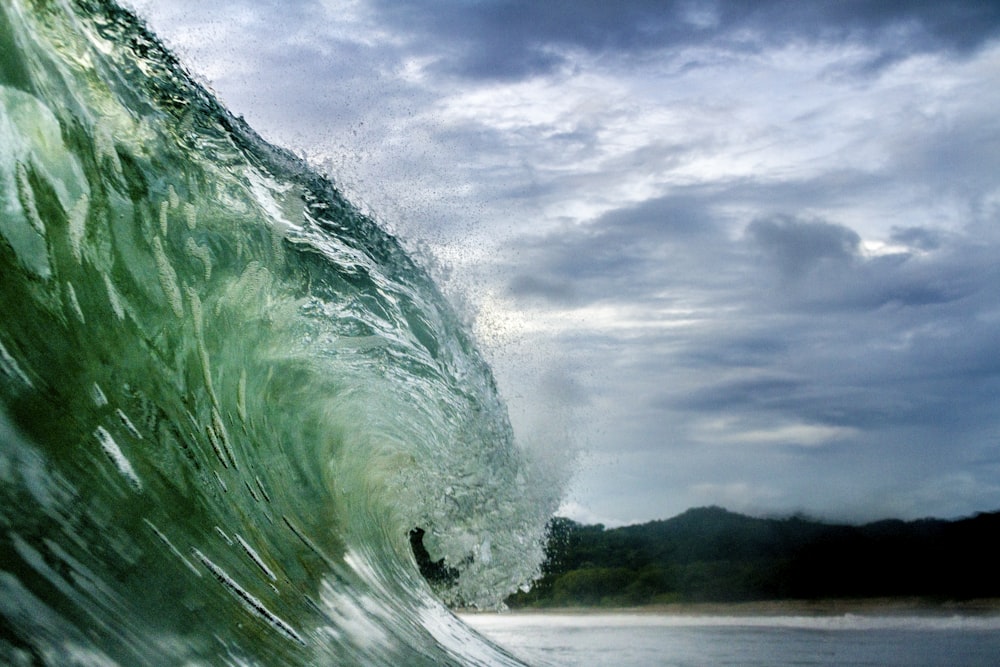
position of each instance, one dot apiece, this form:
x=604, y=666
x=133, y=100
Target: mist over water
x=227, y=397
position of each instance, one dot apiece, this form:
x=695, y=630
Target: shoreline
x=830, y=607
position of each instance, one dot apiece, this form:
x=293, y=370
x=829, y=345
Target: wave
x=237, y=421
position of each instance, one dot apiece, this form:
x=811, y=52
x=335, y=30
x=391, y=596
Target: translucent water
x=226, y=396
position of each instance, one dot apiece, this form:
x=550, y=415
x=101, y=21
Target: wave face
x=226, y=396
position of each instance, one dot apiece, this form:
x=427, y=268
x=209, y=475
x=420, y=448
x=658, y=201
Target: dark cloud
x=756, y=394
x=517, y=38
x=796, y=246
x=822, y=273
x=736, y=349
x=886, y=364
x=666, y=219
x=885, y=350
x=917, y=237
x=627, y=253
x=554, y=291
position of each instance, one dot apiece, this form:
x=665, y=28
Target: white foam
x=114, y=452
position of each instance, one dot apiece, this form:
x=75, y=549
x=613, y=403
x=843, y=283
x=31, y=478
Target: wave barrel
x=229, y=401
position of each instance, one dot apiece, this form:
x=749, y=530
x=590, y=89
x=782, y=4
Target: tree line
x=713, y=555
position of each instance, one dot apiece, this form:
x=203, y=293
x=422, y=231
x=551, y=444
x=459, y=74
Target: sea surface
x=650, y=640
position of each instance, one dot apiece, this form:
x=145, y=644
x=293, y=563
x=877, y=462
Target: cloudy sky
x=741, y=252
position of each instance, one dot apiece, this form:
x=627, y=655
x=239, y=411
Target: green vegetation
x=712, y=555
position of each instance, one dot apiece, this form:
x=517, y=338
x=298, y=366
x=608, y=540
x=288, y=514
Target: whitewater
x=236, y=419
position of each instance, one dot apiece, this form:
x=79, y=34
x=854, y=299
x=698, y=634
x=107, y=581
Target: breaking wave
x=237, y=421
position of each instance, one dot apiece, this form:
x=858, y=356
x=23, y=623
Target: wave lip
x=227, y=398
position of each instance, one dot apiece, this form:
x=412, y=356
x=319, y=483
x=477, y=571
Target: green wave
x=226, y=396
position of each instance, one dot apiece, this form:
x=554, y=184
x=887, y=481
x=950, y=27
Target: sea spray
x=227, y=398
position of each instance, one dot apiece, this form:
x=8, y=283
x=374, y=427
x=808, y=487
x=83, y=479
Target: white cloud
x=736, y=432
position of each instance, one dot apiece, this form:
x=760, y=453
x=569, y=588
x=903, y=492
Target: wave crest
x=230, y=398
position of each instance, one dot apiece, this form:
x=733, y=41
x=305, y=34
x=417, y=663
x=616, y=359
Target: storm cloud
x=523, y=38
x=741, y=253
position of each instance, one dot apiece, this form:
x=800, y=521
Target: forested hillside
x=712, y=555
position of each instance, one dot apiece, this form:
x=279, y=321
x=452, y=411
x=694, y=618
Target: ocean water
x=227, y=398
x=651, y=640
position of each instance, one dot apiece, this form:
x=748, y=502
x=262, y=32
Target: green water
x=226, y=396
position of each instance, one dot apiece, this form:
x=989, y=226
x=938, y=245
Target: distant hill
x=712, y=555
